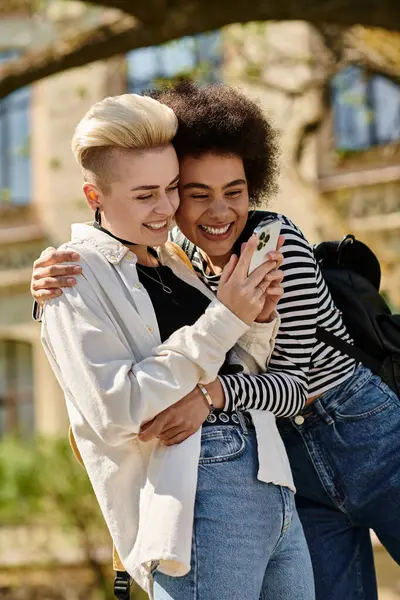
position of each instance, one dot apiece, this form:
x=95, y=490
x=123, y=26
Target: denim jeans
x=344, y=451
x=248, y=542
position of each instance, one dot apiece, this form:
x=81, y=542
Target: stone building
x=340, y=137
x=339, y=171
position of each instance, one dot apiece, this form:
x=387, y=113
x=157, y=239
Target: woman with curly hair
x=343, y=435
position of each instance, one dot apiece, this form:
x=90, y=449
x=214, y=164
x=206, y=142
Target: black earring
x=97, y=216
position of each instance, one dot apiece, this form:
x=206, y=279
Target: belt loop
x=242, y=421
x=319, y=409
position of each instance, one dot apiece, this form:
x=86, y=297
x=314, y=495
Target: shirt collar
x=111, y=248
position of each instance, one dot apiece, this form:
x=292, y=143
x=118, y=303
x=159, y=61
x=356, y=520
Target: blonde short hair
x=126, y=122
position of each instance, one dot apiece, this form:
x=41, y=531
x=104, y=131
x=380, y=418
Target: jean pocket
x=221, y=444
x=369, y=400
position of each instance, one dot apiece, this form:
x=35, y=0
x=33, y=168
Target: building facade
x=340, y=169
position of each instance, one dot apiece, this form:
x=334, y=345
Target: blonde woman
x=139, y=332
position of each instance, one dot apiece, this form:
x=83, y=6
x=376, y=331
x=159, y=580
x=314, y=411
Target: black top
x=173, y=311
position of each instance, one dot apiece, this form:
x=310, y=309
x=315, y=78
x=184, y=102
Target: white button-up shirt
x=103, y=343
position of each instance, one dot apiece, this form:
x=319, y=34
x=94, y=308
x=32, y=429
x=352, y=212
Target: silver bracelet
x=206, y=396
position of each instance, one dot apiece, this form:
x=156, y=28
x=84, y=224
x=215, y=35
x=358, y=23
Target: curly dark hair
x=218, y=119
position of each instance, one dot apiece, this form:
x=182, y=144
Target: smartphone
x=267, y=232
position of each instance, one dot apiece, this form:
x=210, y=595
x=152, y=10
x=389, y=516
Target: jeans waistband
x=327, y=402
x=331, y=399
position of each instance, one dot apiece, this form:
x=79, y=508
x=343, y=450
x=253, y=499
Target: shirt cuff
x=223, y=325
x=261, y=332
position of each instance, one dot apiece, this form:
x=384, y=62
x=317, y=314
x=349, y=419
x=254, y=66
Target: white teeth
x=156, y=225
x=216, y=230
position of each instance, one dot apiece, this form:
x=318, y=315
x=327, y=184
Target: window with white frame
x=366, y=109
x=198, y=57
x=16, y=388
x=15, y=164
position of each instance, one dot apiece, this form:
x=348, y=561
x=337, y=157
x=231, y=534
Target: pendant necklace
x=165, y=288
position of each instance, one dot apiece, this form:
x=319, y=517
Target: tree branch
x=376, y=49
x=94, y=44
x=162, y=20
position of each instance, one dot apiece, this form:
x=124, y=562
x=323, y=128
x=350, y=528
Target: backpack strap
x=176, y=249
x=328, y=338
x=122, y=585
x=117, y=564
x=74, y=446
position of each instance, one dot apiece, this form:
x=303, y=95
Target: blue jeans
x=345, y=458
x=248, y=543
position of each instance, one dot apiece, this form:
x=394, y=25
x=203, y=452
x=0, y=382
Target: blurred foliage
x=382, y=47
x=19, y=6
x=5, y=196
x=42, y=485
x=40, y=479
x=169, y=82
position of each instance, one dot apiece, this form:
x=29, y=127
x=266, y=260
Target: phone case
x=268, y=234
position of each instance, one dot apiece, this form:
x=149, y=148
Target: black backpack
x=353, y=275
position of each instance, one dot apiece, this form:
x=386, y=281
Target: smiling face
x=140, y=201
x=214, y=203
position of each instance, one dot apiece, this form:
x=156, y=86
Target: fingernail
x=77, y=269
x=75, y=256
x=71, y=281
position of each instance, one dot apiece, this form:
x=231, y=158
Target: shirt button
x=129, y=255
x=137, y=286
x=113, y=259
x=299, y=420
x=150, y=329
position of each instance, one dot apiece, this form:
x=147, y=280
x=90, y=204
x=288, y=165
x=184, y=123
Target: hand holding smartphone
x=267, y=233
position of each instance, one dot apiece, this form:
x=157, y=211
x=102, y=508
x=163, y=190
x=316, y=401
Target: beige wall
x=58, y=104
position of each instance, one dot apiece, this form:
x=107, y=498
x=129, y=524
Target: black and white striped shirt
x=300, y=367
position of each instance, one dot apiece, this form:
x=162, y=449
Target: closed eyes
x=148, y=196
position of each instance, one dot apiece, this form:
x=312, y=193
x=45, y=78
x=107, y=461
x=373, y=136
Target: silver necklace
x=165, y=288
